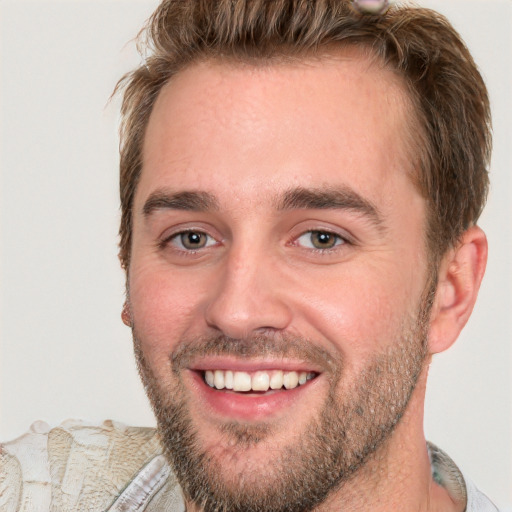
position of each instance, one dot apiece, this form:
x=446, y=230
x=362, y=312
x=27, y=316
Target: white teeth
x=228, y=379
x=260, y=381
x=208, y=377
x=257, y=381
x=290, y=380
x=218, y=379
x=241, y=381
x=276, y=381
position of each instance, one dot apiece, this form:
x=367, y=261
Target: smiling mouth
x=259, y=381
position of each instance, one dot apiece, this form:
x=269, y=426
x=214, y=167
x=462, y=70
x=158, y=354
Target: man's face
x=278, y=242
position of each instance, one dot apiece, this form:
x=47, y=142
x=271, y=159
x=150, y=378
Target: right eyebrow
x=185, y=200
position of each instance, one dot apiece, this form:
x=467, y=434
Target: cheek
x=164, y=305
x=360, y=311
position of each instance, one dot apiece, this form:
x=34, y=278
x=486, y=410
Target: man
x=300, y=185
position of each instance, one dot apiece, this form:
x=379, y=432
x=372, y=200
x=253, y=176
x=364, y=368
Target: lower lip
x=247, y=406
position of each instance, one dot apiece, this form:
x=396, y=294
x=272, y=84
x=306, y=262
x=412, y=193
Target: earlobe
x=460, y=274
x=126, y=315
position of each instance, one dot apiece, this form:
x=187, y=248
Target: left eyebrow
x=184, y=200
x=343, y=198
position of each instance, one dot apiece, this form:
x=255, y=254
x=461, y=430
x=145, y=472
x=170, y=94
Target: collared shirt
x=116, y=468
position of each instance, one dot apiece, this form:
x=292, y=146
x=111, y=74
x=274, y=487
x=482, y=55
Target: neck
x=399, y=475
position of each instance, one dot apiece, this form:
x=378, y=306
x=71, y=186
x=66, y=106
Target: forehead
x=219, y=125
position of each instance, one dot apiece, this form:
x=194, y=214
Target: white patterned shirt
x=78, y=467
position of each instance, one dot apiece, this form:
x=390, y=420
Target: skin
x=246, y=135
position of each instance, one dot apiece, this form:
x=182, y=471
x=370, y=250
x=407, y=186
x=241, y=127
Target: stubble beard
x=337, y=444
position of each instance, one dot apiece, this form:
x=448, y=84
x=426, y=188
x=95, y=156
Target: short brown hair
x=420, y=45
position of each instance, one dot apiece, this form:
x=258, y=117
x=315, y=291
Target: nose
x=248, y=298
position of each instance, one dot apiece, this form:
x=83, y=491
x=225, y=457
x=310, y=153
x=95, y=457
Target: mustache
x=275, y=346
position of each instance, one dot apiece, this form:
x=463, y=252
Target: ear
x=460, y=274
x=126, y=314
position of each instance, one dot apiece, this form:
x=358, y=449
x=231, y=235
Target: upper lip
x=252, y=365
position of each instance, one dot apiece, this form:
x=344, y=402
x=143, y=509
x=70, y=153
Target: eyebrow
x=328, y=198
x=186, y=200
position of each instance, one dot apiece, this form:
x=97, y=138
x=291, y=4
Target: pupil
x=194, y=238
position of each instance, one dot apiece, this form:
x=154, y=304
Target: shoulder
x=461, y=489
x=477, y=500
x=75, y=466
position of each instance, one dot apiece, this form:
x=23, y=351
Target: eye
x=191, y=240
x=320, y=240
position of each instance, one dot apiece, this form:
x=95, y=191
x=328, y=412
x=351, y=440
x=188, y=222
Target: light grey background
x=63, y=349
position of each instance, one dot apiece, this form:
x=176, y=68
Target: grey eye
x=193, y=240
x=320, y=240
